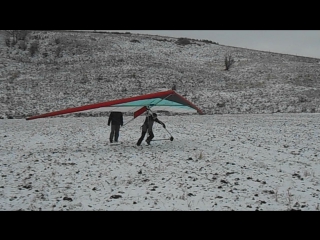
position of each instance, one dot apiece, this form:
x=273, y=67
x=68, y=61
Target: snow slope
x=75, y=68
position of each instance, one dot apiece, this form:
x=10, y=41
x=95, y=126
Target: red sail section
x=139, y=112
x=180, y=99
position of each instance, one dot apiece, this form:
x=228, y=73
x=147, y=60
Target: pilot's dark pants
x=144, y=130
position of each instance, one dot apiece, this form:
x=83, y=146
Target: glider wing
x=160, y=101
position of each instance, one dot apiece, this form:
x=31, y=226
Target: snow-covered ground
x=215, y=162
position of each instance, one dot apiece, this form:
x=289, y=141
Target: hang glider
x=169, y=101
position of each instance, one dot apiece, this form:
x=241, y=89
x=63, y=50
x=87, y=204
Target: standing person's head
x=154, y=115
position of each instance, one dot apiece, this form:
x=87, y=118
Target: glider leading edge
x=159, y=101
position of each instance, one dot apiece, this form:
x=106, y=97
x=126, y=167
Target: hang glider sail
x=169, y=101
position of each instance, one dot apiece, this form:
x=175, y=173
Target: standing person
x=147, y=127
x=116, y=120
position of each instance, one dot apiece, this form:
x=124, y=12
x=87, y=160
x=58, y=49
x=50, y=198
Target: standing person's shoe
x=148, y=142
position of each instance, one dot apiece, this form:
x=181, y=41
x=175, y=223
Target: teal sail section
x=151, y=103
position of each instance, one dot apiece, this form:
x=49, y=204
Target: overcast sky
x=295, y=42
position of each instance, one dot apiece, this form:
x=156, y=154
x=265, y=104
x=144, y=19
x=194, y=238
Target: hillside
x=69, y=69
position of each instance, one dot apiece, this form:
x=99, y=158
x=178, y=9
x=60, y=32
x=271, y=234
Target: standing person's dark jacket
x=115, y=118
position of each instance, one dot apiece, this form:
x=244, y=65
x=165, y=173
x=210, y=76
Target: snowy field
x=215, y=162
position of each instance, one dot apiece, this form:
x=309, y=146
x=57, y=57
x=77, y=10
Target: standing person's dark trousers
x=114, y=134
